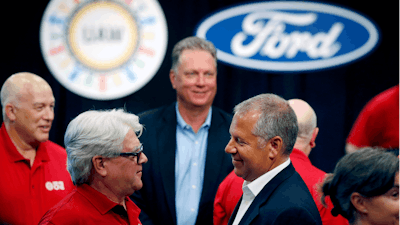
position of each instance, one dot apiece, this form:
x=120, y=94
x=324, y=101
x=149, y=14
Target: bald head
x=307, y=122
x=19, y=87
x=306, y=117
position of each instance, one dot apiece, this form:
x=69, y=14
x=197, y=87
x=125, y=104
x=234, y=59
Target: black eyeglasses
x=134, y=152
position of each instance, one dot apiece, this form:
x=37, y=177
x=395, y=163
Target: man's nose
x=143, y=158
x=230, y=148
x=48, y=114
x=201, y=80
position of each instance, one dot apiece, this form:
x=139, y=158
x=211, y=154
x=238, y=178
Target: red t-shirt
x=230, y=191
x=26, y=193
x=87, y=206
x=378, y=122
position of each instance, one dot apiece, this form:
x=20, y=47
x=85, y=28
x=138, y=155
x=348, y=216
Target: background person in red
x=378, y=123
x=105, y=162
x=230, y=189
x=32, y=168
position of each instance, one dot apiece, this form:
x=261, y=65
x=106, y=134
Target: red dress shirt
x=26, y=193
x=230, y=191
x=87, y=206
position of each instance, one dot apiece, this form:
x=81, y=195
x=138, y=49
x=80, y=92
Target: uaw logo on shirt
x=288, y=36
x=103, y=49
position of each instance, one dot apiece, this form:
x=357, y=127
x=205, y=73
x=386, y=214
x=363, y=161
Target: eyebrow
x=43, y=103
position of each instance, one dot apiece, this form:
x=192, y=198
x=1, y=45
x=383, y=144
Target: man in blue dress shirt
x=185, y=142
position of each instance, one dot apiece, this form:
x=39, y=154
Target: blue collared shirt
x=190, y=160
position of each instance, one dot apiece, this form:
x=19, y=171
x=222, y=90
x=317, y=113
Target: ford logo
x=288, y=36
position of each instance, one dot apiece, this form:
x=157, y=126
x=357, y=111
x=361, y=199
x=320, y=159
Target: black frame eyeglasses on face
x=134, y=152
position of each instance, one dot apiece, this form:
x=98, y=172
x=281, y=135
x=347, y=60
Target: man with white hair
x=32, y=168
x=230, y=189
x=105, y=159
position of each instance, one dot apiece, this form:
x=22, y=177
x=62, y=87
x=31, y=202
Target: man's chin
x=238, y=172
x=42, y=138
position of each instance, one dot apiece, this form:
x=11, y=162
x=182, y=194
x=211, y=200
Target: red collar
x=102, y=203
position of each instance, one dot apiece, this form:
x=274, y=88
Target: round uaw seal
x=103, y=49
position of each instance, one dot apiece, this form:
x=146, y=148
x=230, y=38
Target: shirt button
x=196, y=142
x=194, y=164
x=194, y=186
x=192, y=209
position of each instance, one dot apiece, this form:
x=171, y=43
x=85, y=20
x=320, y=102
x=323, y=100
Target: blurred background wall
x=336, y=94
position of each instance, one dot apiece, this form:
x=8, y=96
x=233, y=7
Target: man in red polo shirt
x=105, y=162
x=32, y=169
x=230, y=190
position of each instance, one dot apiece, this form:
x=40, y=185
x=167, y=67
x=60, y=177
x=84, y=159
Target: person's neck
x=359, y=222
x=194, y=116
x=27, y=150
x=302, y=147
x=102, y=188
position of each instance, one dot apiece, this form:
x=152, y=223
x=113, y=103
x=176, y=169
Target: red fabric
x=230, y=191
x=26, y=193
x=228, y=195
x=87, y=206
x=378, y=122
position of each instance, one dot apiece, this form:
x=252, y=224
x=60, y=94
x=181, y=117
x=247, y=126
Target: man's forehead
x=248, y=116
x=36, y=96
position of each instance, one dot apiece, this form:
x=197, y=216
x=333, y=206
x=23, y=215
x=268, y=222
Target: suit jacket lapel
x=166, y=151
x=214, y=157
x=265, y=194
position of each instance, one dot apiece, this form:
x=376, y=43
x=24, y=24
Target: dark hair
x=368, y=171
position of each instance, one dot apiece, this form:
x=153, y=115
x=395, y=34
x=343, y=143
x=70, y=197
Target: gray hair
x=368, y=171
x=276, y=118
x=191, y=43
x=8, y=95
x=96, y=133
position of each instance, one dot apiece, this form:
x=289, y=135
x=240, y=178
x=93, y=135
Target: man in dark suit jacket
x=185, y=142
x=263, y=132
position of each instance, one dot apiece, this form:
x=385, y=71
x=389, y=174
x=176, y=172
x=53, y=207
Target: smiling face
x=33, y=115
x=195, y=80
x=124, y=173
x=384, y=209
x=249, y=159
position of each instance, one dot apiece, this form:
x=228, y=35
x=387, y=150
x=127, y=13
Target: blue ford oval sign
x=288, y=36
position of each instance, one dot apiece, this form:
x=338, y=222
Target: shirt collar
x=258, y=184
x=183, y=124
x=96, y=198
x=14, y=155
x=298, y=154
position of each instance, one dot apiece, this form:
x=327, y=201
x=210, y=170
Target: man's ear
x=10, y=110
x=313, y=137
x=275, y=145
x=172, y=77
x=98, y=165
x=359, y=202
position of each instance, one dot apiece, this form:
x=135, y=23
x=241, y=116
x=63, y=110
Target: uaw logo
x=288, y=36
x=103, y=49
